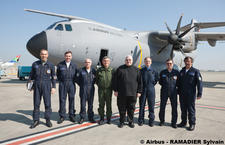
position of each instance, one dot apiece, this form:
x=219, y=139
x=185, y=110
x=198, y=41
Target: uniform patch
x=191, y=74
x=48, y=71
x=62, y=68
x=78, y=74
x=163, y=75
x=36, y=66
x=175, y=77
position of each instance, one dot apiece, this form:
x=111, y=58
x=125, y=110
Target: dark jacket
x=127, y=81
x=66, y=74
x=188, y=81
x=168, y=81
x=43, y=73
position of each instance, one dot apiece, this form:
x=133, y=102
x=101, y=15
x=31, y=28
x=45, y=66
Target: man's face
x=188, y=63
x=44, y=55
x=68, y=57
x=169, y=65
x=87, y=63
x=148, y=62
x=106, y=62
x=128, y=61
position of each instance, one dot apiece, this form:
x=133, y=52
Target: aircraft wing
x=203, y=25
x=57, y=15
x=205, y=36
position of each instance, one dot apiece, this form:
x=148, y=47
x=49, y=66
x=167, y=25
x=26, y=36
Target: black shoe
x=174, y=125
x=121, y=125
x=61, y=119
x=182, y=124
x=81, y=121
x=131, y=124
x=34, y=124
x=140, y=123
x=161, y=123
x=101, y=121
x=191, y=127
x=92, y=120
x=48, y=123
x=109, y=121
x=72, y=119
x=151, y=124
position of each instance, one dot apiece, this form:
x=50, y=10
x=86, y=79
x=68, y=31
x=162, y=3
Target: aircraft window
x=68, y=27
x=59, y=27
x=51, y=26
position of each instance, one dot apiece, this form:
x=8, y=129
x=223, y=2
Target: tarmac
x=16, y=106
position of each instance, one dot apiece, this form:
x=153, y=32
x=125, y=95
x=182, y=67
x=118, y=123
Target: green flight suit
x=104, y=82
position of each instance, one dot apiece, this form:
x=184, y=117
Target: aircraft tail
x=16, y=59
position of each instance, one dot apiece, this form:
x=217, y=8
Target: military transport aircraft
x=90, y=39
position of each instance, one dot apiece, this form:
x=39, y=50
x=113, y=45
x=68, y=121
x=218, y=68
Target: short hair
x=188, y=57
x=43, y=50
x=147, y=58
x=129, y=56
x=105, y=57
x=67, y=52
x=169, y=60
x=88, y=59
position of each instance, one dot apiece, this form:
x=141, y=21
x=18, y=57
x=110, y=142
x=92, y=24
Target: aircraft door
x=103, y=53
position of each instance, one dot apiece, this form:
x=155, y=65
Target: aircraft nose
x=36, y=43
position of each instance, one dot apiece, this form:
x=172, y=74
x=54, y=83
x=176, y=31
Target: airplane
x=89, y=39
x=4, y=65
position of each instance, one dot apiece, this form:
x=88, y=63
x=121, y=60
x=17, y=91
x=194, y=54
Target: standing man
x=86, y=81
x=168, y=82
x=127, y=86
x=66, y=73
x=104, y=81
x=43, y=75
x=190, y=78
x=149, y=78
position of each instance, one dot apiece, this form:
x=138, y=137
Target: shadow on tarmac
x=13, y=81
x=214, y=85
x=15, y=117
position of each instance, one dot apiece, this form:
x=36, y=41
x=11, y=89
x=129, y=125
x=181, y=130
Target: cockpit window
x=68, y=27
x=51, y=26
x=59, y=27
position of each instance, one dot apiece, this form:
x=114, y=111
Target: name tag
x=48, y=71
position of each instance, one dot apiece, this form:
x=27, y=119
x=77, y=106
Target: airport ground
x=16, y=116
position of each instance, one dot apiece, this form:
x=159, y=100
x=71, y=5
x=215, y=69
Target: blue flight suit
x=187, y=83
x=168, y=82
x=86, y=82
x=67, y=78
x=43, y=75
x=149, y=79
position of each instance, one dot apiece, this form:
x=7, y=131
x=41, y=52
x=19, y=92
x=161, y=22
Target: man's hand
x=138, y=95
x=198, y=98
x=53, y=91
x=116, y=94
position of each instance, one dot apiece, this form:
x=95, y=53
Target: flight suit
x=44, y=78
x=149, y=79
x=168, y=82
x=86, y=82
x=187, y=83
x=67, y=78
x=104, y=82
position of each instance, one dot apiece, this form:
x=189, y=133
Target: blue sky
x=18, y=26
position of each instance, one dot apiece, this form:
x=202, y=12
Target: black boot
x=191, y=127
x=61, y=119
x=182, y=124
x=34, y=124
x=48, y=123
x=121, y=125
x=131, y=124
x=109, y=120
x=92, y=120
x=72, y=119
x=81, y=120
x=161, y=124
x=101, y=121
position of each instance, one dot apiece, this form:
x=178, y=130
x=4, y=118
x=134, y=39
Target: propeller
x=175, y=39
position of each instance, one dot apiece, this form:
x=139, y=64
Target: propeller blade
x=181, y=50
x=168, y=28
x=185, y=32
x=178, y=25
x=161, y=49
x=171, y=54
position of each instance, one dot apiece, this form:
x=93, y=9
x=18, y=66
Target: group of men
x=128, y=83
